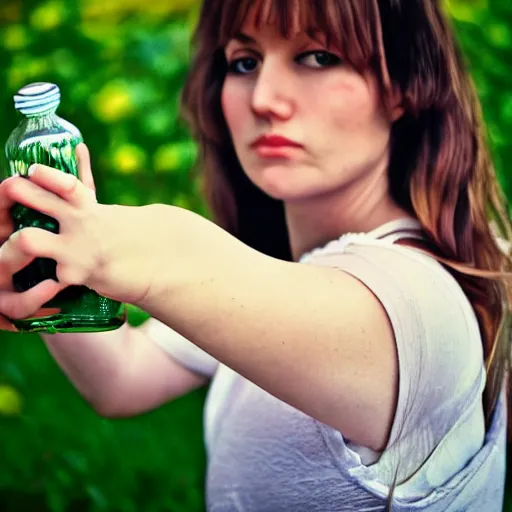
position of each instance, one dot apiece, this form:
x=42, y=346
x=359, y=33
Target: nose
x=272, y=93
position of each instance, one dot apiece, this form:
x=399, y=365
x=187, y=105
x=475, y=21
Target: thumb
x=84, y=166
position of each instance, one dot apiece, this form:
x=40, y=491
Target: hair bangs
x=351, y=27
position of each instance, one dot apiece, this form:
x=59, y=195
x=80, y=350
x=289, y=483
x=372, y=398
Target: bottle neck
x=37, y=122
x=41, y=115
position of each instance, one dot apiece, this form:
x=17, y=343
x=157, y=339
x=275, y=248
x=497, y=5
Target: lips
x=274, y=141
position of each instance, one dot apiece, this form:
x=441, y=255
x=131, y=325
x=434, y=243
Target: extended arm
x=314, y=337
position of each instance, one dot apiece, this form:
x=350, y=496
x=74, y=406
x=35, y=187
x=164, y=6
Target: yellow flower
x=10, y=401
x=113, y=102
x=48, y=16
x=129, y=159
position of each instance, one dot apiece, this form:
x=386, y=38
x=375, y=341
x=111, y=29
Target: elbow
x=108, y=412
x=109, y=409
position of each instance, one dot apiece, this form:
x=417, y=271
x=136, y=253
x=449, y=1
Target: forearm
x=209, y=290
x=121, y=373
x=91, y=361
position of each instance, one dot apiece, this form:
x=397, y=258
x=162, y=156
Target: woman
x=353, y=325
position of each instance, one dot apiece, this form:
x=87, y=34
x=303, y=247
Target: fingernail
x=31, y=170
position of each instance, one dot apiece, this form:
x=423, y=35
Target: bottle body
x=50, y=140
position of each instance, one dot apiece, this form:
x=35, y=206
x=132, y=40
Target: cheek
x=353, y=104
x=232, y=103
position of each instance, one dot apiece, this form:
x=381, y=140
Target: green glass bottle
x=45, y=138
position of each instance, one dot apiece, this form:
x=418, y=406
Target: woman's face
x=332, y=118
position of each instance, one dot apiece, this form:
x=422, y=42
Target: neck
x=358, y=207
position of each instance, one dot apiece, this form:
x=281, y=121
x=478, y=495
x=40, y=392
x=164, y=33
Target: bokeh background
x=120, y=65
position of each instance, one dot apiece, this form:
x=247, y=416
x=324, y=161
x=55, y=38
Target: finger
x=12, y=259
x=6, y=225
x=6, y=202
x=63, y=184
x=6, y=221
x=17, y=306
x=23, y=247
x=42, y=312
x=84, y=166
x=7, y=325
x=32, y=195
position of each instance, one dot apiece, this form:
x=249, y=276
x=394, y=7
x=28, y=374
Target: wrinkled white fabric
x=264, y=455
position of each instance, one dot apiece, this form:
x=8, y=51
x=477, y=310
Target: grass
x=57, y=454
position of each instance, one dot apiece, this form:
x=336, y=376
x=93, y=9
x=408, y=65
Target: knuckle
x=75, y=215
x=70, y=183
x=24, y=239
x=69, y=275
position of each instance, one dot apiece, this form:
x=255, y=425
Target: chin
x=288, y=193
x=283, y=183
x=280, y=190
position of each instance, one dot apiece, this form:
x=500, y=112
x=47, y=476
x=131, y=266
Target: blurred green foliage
x=120, y=65
x=484, y=28
x=56, y=454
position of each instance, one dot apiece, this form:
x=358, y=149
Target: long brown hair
x=440, y=169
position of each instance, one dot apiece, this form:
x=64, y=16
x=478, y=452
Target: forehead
x=265, y=12
x=289, y=17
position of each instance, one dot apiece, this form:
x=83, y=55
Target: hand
x=28, y=304
x=88, y=230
